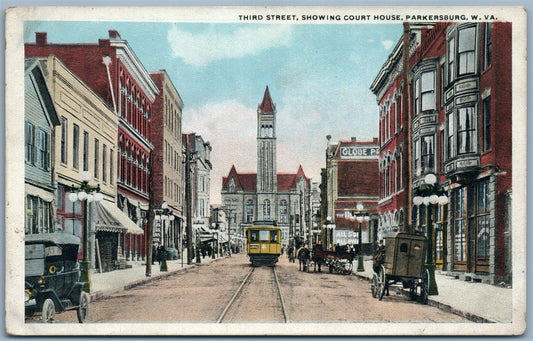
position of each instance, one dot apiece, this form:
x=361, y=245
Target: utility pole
x=188, y=160
x=149, y=226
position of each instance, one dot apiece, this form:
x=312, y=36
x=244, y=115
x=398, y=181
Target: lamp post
x=360, y=215
x=161, y=215
x=228, y=209
x=430, y=194
x=85, y=193
x=330, y=226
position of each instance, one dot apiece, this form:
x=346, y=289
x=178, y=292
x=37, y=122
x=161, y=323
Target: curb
x=98, y=295
x=439, y=305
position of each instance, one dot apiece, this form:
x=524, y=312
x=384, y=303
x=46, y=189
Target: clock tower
x=266, y=145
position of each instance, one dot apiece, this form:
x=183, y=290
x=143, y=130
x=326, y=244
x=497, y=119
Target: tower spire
x=267, y=106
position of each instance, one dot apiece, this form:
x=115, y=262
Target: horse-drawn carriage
x=339, y=260
x=401, y=260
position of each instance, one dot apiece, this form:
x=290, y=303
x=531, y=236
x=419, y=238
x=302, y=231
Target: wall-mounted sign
x=359, y=152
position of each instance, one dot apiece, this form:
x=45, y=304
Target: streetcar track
x=239, y=291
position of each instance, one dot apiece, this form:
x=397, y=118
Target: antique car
x=52, y=276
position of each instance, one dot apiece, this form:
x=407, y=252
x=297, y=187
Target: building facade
x=41, y=119
x=111, y=69
x=86, y=141
x=267, y=194
x=352, y=180
x=167, y=171
x=457, y=80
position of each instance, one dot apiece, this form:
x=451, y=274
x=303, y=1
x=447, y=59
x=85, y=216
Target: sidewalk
x=107, y=283
x=475, y=301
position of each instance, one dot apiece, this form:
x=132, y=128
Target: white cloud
x=230, y=127
x=202, y=48
x=387, y=44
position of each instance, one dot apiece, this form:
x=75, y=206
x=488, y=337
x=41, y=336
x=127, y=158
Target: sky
x=318, y=76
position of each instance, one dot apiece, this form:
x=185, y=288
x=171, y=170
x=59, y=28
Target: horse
x=304, y=255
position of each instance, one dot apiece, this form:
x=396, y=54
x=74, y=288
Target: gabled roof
x=243, y=181
x=32, y=66
x=248, y=181
x=267, y=106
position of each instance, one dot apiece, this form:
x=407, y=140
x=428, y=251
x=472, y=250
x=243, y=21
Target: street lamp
x=85, y=193
x=161, y=215
x=330, y=226
x=360, y=215
x=430, y=194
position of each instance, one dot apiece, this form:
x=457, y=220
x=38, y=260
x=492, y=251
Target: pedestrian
x=154, y=253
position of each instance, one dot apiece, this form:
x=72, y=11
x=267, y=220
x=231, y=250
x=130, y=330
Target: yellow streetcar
x=263, y=243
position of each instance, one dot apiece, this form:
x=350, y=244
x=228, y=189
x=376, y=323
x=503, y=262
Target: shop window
x=483, y=221
x=460, y=231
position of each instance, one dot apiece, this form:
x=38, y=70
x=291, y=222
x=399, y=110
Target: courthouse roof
x=248, y=181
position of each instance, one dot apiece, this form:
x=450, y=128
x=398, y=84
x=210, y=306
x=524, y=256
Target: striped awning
x=111, y=219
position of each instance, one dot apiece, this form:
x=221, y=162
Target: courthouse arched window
x=266, y=209
x=249, y=211
x=283, y=211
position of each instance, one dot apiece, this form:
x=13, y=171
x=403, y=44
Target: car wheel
x=49, y=311
x=83, y=309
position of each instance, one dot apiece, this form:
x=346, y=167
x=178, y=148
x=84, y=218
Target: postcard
x=266, y=171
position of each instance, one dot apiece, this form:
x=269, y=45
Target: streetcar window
x=403, y=247
x=273, y=236
x=254, y=235
x=263, y=235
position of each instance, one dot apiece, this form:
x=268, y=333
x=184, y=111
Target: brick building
x=456, y=78
x=167, y=166
x=111, y=69
x=352, y=179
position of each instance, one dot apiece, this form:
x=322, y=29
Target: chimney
x=103, y=42
x=40, y=38
x=354, y=139
x=113, y=34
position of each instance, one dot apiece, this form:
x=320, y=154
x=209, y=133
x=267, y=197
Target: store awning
x=110, y=218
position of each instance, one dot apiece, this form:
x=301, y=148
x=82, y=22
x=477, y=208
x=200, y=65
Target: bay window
x=466, y=137
x=466, y=50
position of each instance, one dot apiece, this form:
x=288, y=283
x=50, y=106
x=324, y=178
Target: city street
x=200, y=294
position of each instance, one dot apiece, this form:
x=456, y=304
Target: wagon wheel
x=412, y=290
x=374, y=285
x=382, y=282
x=348, y=266
x=49, y=311
x=424, y=286
x=83, y=309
